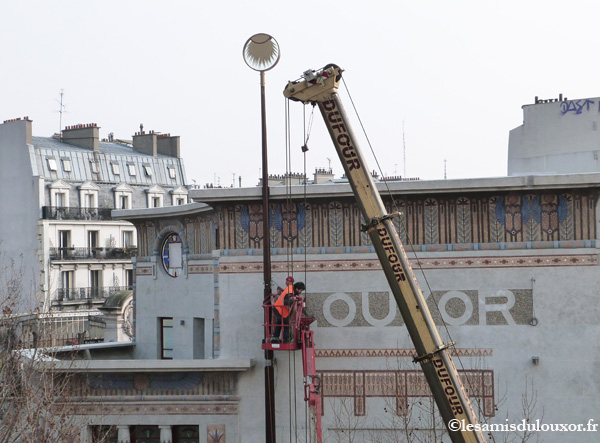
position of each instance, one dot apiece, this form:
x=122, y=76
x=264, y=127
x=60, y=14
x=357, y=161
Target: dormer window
x=180, y=196
x=88, y=195
x=123, y=196
x=155, y=196
x=148, y=170
x=59, y=194
x=131, y=169
x=171, y=172
x=115, y=169
x=51, y=164
x=66, y=164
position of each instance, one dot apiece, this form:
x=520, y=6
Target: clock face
x=172, y=255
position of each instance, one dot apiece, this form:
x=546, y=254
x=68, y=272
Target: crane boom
x=320, y=88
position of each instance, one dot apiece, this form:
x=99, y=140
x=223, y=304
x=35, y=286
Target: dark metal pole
x=269, y=373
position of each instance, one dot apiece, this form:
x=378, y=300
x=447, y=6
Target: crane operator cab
x=285, y=317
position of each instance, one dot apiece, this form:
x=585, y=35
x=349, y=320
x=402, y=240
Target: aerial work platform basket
x=276, y=324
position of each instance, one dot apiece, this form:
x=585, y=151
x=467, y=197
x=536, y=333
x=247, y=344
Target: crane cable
x=292, y=386
x=466, y=380
x=306, y=136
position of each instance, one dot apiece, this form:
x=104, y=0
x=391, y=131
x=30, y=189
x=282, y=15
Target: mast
x=269, y=372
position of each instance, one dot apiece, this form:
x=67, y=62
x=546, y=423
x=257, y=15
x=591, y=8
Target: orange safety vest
x=283, y=310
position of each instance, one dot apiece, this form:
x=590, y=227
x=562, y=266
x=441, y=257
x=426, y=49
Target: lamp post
x=261, y=53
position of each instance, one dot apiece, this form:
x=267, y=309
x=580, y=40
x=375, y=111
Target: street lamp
x=261, y=53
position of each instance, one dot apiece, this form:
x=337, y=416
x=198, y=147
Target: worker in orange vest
x=283, y=310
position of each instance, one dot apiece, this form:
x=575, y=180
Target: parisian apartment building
x=56, y=229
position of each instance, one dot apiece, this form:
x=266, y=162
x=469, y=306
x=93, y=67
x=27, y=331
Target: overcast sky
x=454, y=74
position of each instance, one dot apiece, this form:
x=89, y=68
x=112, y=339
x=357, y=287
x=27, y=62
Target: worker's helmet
x=289, y=280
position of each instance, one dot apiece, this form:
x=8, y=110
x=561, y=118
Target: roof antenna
x=404, y=149
x=60, y=111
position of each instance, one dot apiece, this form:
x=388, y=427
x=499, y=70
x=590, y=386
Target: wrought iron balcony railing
x=92, y=253
x=77, y=213
x=87, y=294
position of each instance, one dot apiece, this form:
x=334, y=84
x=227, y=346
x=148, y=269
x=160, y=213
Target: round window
x=172, y=259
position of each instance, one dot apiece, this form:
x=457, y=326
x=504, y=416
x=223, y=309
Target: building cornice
x=415, y=187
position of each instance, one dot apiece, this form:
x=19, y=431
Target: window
x=59, y=194
x=186, y=434
x=92, y=239
x=155, y=197
x=127, y=239
x=131, y=169
x=95, y=284
x=172, y=257
x=66, y=164
x=179, y=196
x=115, y=168
x=66, y=281
x=51, y=164
x=64, y=240
x=166, y=338
x=123, y=196
x=94, y=167
x=148, y=170
x=89, y=201
x=129, y=277
x=171, y=172
x=61, y=199
x=124, y=202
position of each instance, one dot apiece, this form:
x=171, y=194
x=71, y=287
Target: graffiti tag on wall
x=578, y=106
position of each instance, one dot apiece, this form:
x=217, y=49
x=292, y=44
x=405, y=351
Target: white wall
x=559, y=137
x=20, y=208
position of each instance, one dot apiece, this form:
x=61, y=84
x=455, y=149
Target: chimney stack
x=145, y=143
x=322, y=175
x=168, y=145
x=85, y=136
x=27, y=127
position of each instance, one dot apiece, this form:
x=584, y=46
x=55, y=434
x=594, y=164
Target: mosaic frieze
x=157, y=384
x=402, y=385
x=456, y=220
x=426, y=223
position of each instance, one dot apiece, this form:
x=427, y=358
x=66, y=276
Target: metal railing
x=59, y=329
x=87, y=294
x=92, y=253
x=75, y=213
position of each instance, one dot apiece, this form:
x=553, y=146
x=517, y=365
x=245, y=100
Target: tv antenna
x=404, y=149
x=60, y=111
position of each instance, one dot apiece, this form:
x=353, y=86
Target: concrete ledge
x=520, y=183
x=120, y=366
x=165, y=211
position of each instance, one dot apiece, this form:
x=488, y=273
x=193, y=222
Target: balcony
x=52, y=329
x=62, y=213
x=87, y=294
x=92, y=253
